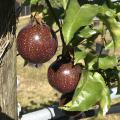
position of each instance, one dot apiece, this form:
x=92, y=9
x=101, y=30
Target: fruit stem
x=36, y=17
x=65, y=49
x=66, y=53
x=56, y=20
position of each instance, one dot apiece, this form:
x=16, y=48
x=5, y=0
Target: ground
x=34, y=91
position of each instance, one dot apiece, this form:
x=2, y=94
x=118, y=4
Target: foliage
x=55, y=3
x=80, y=19
x=91, y=84
x=78, y=35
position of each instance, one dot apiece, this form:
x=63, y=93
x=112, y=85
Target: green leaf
x=76, y=17
x=113, y=5
x=105, y=102
x=107, y=62
x=108, y=16
x=65, y=3
x=31, y=2
x=114, y=28
x=34, y=1
x=118, y=15
x=91, y=61
x=90, y=90
x=87, y=32
x=109, y=45
x=79, y=55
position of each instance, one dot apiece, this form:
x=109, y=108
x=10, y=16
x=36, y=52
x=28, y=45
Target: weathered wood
x=8, y=99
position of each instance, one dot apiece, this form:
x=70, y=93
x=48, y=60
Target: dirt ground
x=34, y=90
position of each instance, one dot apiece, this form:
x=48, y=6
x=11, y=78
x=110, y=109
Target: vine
x=78, y=35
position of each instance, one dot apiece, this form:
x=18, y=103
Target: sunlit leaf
x=105, y=102
x=87, y=32
x=109, y=45
x=107, y=62
x=79, y=55
x=114, y=27
x=90, y=90
x=65, y=3
x=108, y=16
x=30, y=2
x=118, y=15
x=76, y=17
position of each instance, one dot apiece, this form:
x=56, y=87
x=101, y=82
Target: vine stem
x=56, y=20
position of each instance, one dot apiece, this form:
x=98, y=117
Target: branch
x=56, y=20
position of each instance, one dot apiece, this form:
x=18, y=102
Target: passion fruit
x=64, y=76
x=37, y=43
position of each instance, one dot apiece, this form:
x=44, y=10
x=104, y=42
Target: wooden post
x=8, y=99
